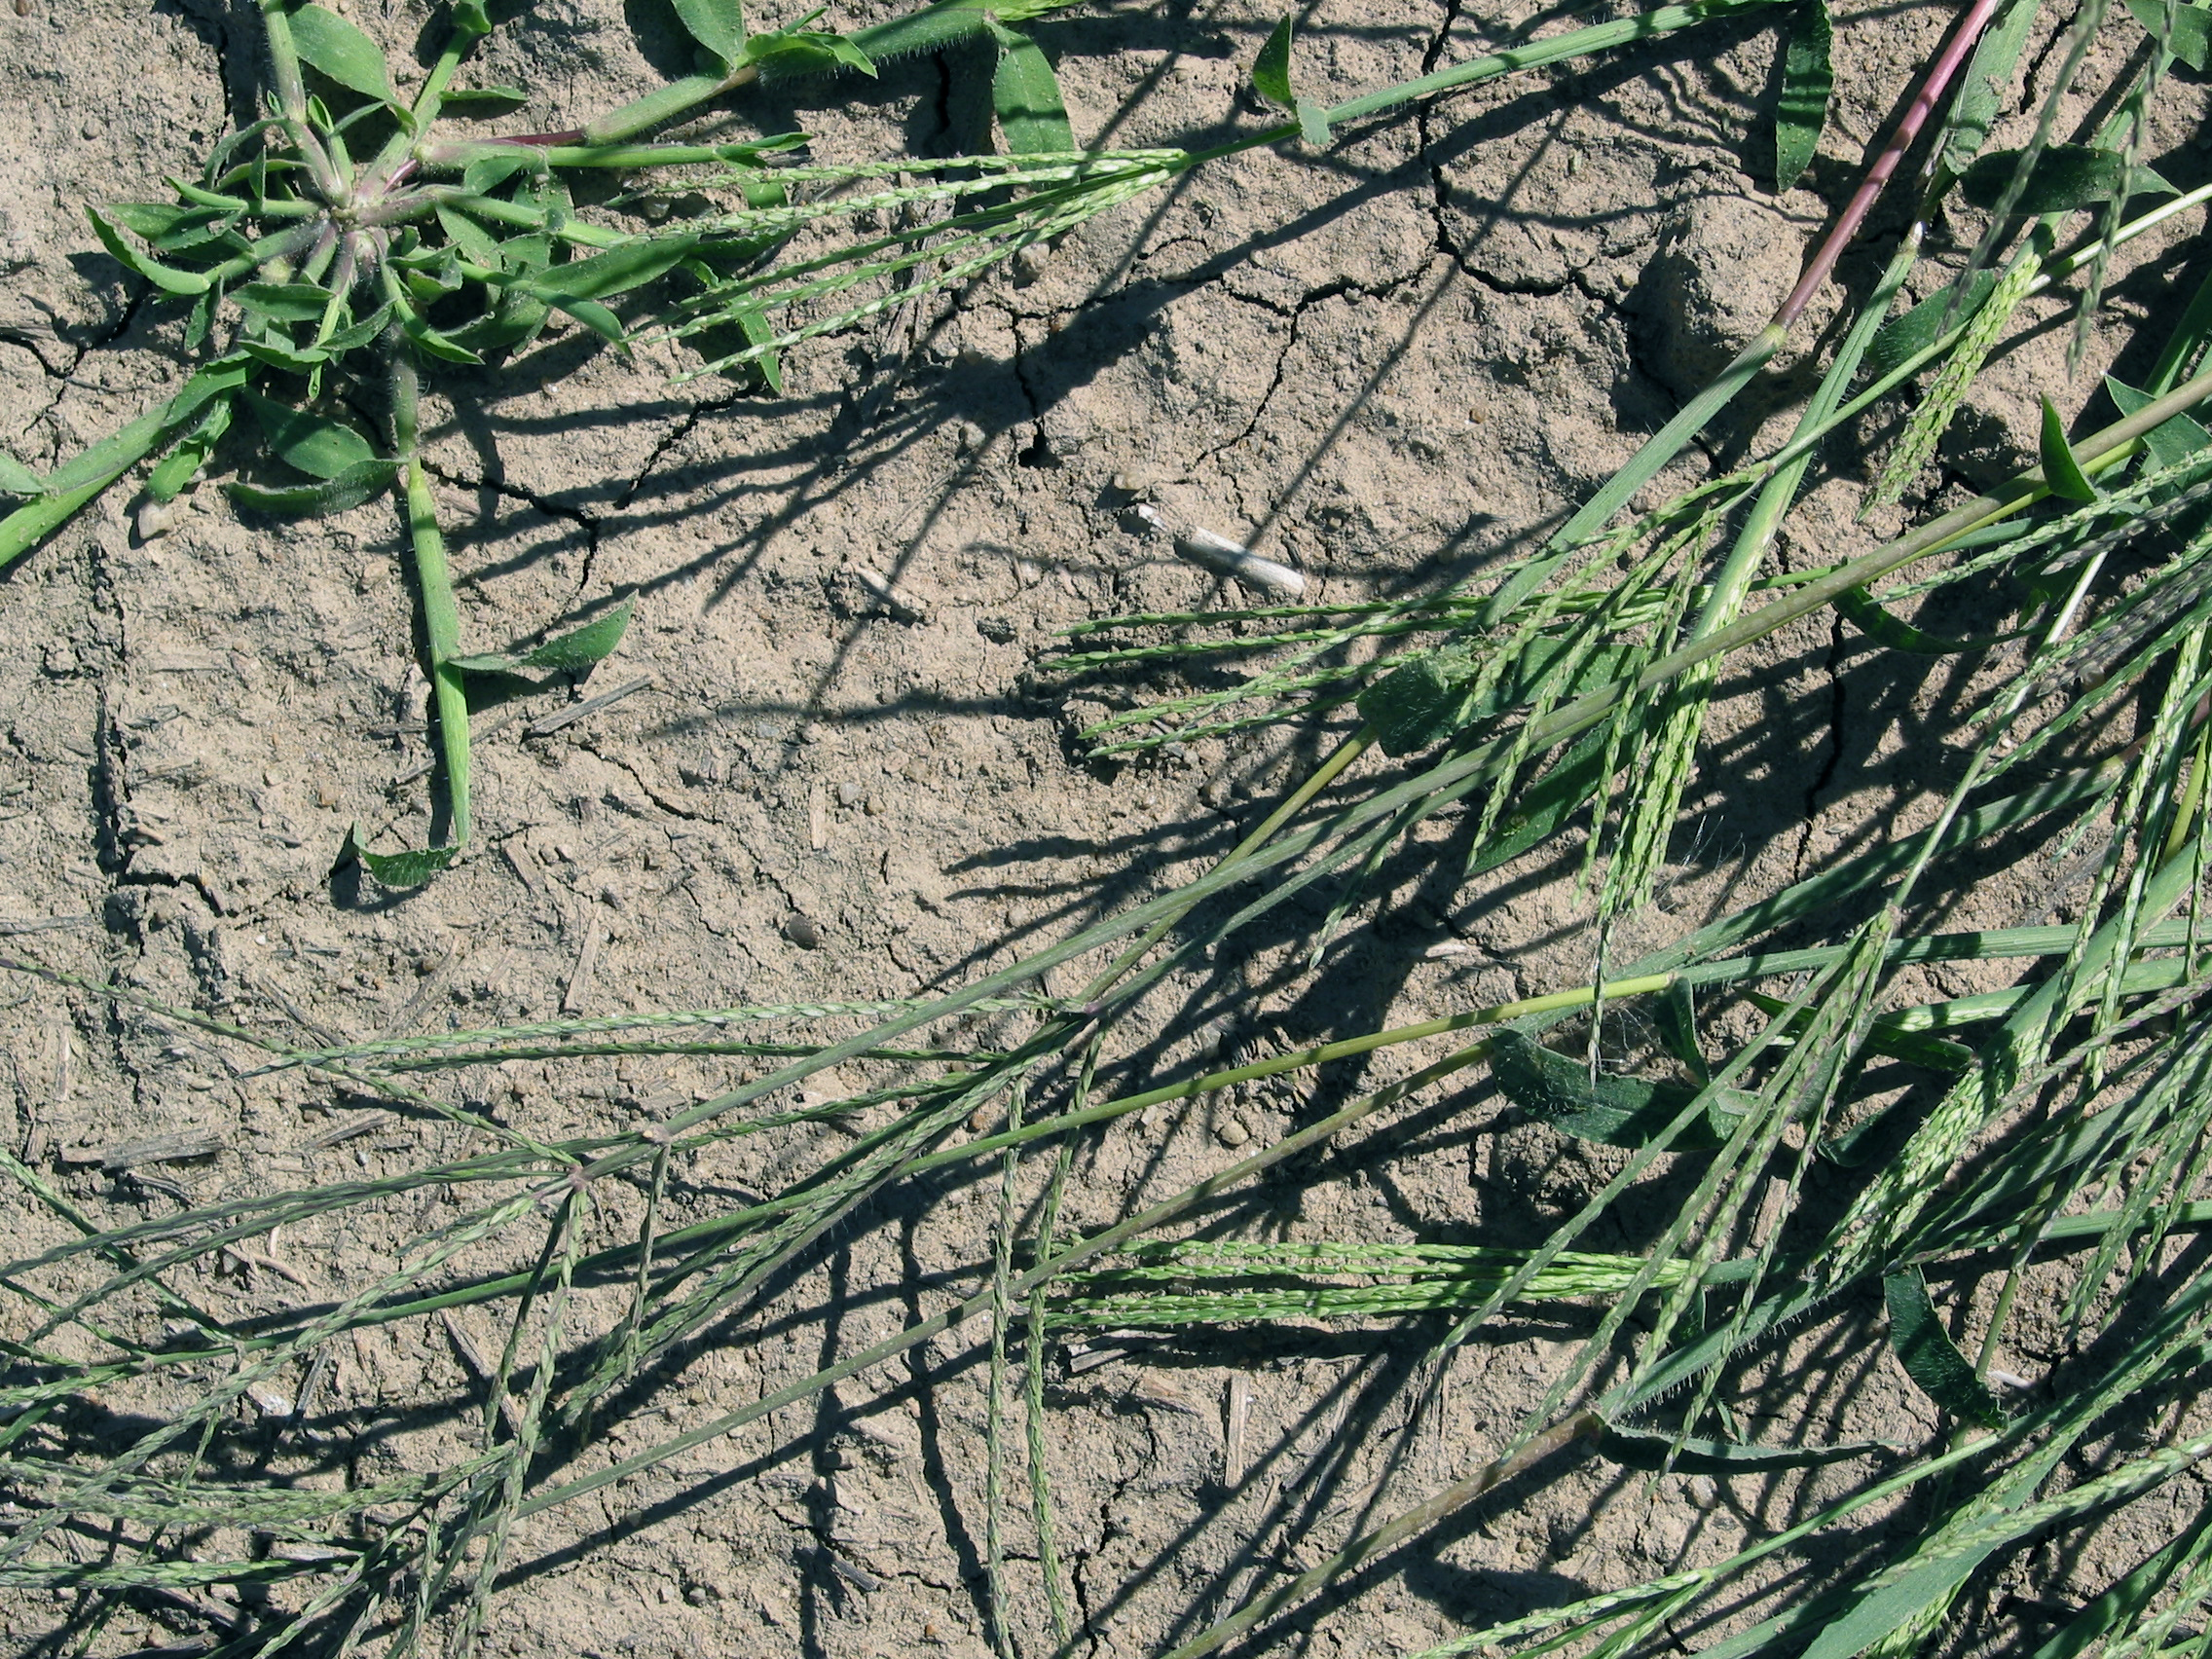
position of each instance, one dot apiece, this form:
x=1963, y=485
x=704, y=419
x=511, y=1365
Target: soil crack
x=1833, y=760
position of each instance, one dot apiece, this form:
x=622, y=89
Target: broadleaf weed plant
x=2054, y=1137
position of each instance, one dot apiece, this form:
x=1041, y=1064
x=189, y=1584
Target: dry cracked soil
x=1387, y=365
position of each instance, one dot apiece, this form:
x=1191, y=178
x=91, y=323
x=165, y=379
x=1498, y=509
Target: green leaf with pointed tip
x=1636, y=1450
x=483, y=100
x=1906, y=337
x=563, y=655
x=400, y=869
x=1270, y=70
x=1674, y=1016
x=582, y=646
x=621, y=267
x=1539, y=809
x=1025, y=97
x=1417, y=705
x=596, y=317
x=362, y=482
x=487, y=173
x=2172, y=442
x=1983, y=89
x=758, y=332
x=470, y=18
x=476, y=243
x=788, y=51
x=1929, y=1357
x=427, y=339
x=1806, y=80
x=2190, y=40
x=149, y=219
x=165, y=278
x=567, y=654
x=2061, y=472
x=313, y=444
x=719, y=25
x=182, y=465
x=17, y=479
x=1619, y=1111
x=328, y=43
x=1862, y=613
x=2064, y=176
x=1314, y=123
x=359, y=333
x=280, y=353
x=283, y=302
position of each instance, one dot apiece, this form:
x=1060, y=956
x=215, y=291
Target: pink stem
x=1932, y=89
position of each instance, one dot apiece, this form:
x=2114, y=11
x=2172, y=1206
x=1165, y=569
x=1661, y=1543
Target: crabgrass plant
x=2058, y=1141
x=333, y=251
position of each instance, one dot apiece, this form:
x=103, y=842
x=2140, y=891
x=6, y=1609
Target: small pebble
x=1232, y=1133
x=849, y=794
x=978, y=1120
x=1705, y=1491
x=23, y=8
x=803, y=932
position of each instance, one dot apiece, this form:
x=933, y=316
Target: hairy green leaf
x=1541, y=807
x=806, y=52
x=719, y=25
x=1271, y=71
x=328, y=43
x=475, y=243
x=486, y=173
x=165, y=278
x=1806, y=80
x=1636, y=1450
x=17, y=479
x=283, y=302
x=1929, y=1357
x=361, y=482
x=1417, y=705
x=619, y=269
x=484, y=100
x=181, y=465
x=360, y=333
x=149, y=219
x=1859, y=608
x=400, y=869
x=2191, y=39
x=1619, y=1111
x=1983, y=89
x=596, y=317
x=1906, y=337
x=2171, y=442
x=309, y=443
x=1025, y=97
x=758, y=332
x=429, y=340
x=566, y=653
x=1314, y=123
x=2060, y=470
x=2064, y=176
x=279, y=352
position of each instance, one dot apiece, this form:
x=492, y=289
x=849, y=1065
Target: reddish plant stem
x=1940, y=75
